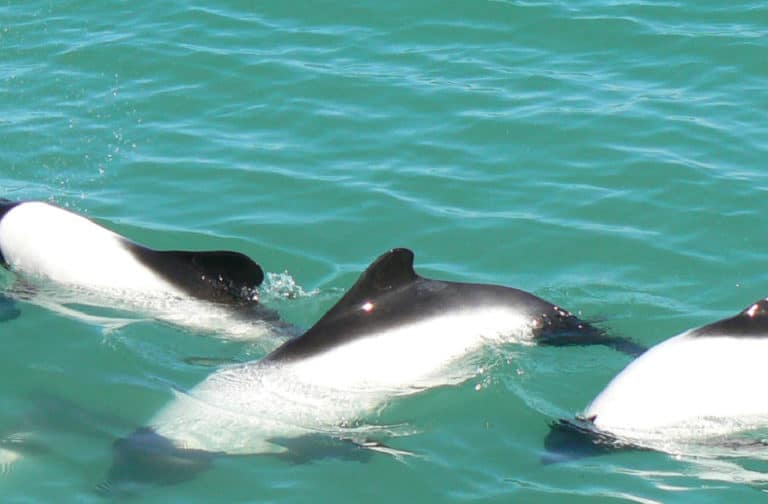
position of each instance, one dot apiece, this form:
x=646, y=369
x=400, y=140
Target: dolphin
x=696, y=387
x=94, y=266
x=391, y=298
x=394, y=333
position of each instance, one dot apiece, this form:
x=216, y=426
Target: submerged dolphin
x=691, y=389
x=393, y=333
x=44, y=242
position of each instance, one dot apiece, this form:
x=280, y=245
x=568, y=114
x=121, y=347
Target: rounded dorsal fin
x=758, y=309
x=389, y=271
x=750, y=322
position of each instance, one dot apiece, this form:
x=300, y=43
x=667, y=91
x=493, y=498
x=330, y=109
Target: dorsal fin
x=389, y=271
x=751, y=322
x=221, y=275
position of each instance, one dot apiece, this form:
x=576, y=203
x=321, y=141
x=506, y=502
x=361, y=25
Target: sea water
x=609, y=156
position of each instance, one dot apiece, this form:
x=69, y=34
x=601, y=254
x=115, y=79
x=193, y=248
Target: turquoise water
x=608, y=156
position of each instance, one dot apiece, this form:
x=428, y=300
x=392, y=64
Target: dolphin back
x=389, y=272
x=219, y=276
x=751, y=322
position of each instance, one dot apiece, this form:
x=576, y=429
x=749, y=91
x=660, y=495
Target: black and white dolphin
x=41, y=241
x=391, y=300
x=393, y=333
x=698, y=385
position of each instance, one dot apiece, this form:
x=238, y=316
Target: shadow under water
x=146, y=459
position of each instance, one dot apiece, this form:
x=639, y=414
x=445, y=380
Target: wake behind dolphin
x=93, y=265
x=393, y=333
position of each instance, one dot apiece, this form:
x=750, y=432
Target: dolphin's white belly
x=48, y=242
x=687, y=386
x=239, y=409
x=243, y=409
x=90, y=266
x=407, y=356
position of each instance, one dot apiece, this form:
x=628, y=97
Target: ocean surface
x=609, y=156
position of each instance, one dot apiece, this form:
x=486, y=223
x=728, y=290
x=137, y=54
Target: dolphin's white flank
x=702, y=383
x=46, y=241
x=69, y=259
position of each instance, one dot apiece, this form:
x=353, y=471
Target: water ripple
x=608, y=155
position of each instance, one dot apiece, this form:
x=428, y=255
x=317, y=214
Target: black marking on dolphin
x=752, y=322
x=5, y=206
x=220, y=276
x=8, y=308
x=390, y=293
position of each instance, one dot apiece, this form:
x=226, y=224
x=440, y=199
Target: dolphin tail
x=624, y=345
x=571, y=330
x=145, y=458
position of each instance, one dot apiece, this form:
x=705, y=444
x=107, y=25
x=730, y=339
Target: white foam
x=284, y=286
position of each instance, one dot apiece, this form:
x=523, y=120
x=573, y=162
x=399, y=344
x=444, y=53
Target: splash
x=284, y=286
